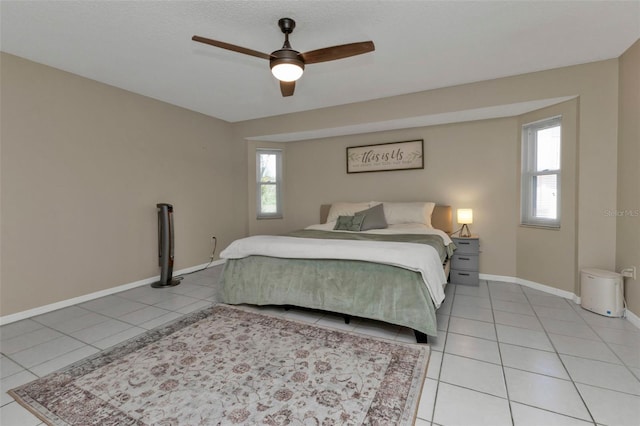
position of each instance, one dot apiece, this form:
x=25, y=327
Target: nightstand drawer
x=468, y=262
x=464, y=277
x=467, y=246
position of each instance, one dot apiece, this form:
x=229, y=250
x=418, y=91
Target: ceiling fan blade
x=287, y=88
x=231, y=47
x=337, y=52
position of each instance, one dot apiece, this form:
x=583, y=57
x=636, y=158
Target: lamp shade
x=465, y=216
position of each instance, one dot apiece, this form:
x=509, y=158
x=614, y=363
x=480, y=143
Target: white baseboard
x=85, y=298
x=7, y=319
x=633, y=318
x=534, y=285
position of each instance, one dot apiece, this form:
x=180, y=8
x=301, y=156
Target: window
x=541, y=145
x=269, y=182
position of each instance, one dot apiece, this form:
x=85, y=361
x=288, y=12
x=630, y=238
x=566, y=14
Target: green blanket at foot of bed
x=362, y=289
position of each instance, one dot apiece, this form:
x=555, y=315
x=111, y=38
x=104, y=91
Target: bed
x=394, y=273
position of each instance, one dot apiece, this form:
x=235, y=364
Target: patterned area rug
x=226, y=365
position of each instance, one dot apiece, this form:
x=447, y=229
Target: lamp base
x=168, y=283
x=466, y=234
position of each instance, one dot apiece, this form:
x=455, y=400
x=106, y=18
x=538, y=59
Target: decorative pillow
x=397, y=213
x=349, y=223
x=345, y=209
x=373, y=218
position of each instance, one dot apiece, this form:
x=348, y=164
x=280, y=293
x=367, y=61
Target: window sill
x=547, y=227
x=268, y=217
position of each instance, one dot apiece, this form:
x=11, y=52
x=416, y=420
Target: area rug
x=227, y=365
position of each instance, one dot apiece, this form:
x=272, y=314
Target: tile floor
x=506, y=354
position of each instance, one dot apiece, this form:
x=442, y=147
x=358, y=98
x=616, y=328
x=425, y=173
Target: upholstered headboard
x=441, y=218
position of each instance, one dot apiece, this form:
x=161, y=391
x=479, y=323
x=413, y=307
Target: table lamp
x=465, y=217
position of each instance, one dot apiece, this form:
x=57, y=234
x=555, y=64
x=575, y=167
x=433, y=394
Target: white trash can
x=602, y=292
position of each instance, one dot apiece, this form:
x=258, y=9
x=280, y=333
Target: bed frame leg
x=420, y=336
x=347, y=318
x=287, y=307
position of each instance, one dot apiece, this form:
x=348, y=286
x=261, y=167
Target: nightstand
x=465, y=261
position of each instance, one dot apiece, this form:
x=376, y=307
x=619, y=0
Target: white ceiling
x=145, y=46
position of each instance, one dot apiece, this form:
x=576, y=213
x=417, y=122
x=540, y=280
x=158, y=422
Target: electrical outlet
x=629, y=272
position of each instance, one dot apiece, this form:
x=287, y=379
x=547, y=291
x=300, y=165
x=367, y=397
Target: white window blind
x=541, y=168
x=269, y=183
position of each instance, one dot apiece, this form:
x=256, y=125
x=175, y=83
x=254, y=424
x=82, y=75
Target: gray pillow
x=349, y=223
x=373, y=218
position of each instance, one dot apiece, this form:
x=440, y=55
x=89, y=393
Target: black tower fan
x=165, y=246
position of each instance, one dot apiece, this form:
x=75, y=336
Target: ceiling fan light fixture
x=287, y=72
x=286, y=65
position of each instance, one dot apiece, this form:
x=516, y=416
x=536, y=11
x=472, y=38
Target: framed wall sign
x=384, y=157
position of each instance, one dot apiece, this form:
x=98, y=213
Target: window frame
x=529, y=174
x=278, y=184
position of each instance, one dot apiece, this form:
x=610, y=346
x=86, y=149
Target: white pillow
x=419, y=212
x=345, y=209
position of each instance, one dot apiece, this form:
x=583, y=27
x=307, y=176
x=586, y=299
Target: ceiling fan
x=287, y=65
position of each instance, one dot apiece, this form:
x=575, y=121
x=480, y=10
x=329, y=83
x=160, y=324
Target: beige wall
x=628, y=223
x=466, y=165
x=544, y=255
x=83, y=166
x=595, y=85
